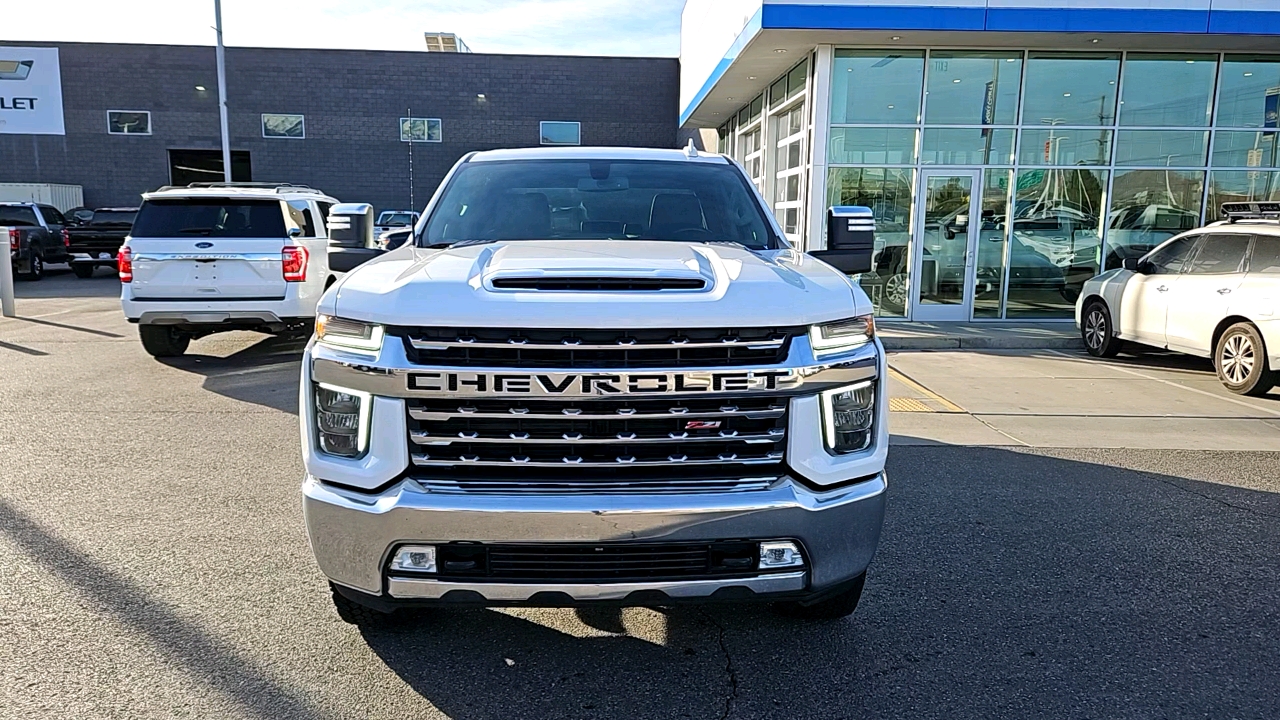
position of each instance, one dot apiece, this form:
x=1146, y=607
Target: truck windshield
x=390, y=219
x=113, y=217
x=17, y=216
x=598, y=200
x=210, y=217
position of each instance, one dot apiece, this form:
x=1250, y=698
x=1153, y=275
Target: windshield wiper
x=195, y=231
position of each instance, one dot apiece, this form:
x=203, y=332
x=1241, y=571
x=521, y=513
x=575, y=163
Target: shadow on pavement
x=264, y=373
x=181, y=642
x=59, y=282
x=1008, y=584
x=1136, y=357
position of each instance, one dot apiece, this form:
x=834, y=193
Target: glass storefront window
x=973, y=88
x=967, y=146
x=1162, y=148
x=991, y=241
x=1057, y=236
x=1245, y=149
x=1065, y=146
x=879, y=87
x=873, y=146
x=1071, y=88
x=889, y=194
x=1250, y=91
x=1169, y=90
x=1149, y=207
x=1240, y=186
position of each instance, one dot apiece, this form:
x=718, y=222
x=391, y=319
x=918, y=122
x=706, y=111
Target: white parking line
x=1170, y=383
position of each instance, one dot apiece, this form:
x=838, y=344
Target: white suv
x=213, y=257
x=1210, y=292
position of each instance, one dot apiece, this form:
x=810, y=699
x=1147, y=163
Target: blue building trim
x=752, y=29
x=1244, y=22
x=1099, y=20
x=873, y=17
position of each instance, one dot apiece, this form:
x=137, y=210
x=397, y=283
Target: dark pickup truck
x=37, y=235
x=98, y=241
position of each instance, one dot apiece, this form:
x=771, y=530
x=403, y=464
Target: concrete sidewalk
x=1066, y=399
x=1055, y=335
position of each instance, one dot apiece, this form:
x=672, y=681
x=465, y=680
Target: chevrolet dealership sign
x=30, y=92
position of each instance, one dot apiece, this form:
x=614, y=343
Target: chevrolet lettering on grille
x=601, y=384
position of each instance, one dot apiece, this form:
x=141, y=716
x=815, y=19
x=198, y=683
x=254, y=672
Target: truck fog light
x=342, y=420
x=415, y=558
x=779, y=555
x=848, y=414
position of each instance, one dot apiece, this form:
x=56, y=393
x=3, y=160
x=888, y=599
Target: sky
x=568, y=27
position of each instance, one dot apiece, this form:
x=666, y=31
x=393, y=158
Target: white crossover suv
x=1211, y=292
x=212, y=257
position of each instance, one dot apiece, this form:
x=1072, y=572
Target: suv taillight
x=66, y=237
x=293, y=262
x=124, y=261
x=13, y=239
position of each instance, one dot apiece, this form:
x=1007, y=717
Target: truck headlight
x=348, y=334
x=842, y=335
x=848, y=417
x=342, y=420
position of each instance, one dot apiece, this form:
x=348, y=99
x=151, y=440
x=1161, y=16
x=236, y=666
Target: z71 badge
x=596, y=384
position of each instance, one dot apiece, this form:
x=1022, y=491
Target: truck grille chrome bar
x=510, y=486
x=595, y=439
x=596, y=349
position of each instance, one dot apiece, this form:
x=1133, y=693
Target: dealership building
x=1009, y=149
x=369, y=126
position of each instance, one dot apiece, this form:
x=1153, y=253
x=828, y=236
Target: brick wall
x=352, y=101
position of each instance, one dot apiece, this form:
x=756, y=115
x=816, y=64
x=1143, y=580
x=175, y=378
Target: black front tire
x=163, y=340
x=83, y=270
x=1240, y=357
x=353, y=613
x=1097, y=331
x=35, y=268
x=832, y=608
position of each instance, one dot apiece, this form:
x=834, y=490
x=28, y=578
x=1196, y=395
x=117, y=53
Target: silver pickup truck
x=597, y=375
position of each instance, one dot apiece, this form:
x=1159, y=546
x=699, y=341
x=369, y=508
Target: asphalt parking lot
x=1065, y=539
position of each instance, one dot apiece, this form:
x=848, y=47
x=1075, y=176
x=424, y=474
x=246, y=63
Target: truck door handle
x=1224, y=291
x=1163, y=288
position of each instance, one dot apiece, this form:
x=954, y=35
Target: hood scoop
x=598, y=283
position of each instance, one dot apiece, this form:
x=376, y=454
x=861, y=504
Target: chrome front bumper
x=353, y=534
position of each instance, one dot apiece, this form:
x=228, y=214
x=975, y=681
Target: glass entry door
x=945, y=244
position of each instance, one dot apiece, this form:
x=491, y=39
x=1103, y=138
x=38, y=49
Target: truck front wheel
x=835, y=607
x=354, y=613
x=163, y=340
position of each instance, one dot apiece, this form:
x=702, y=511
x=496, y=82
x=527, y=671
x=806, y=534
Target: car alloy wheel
x=895, y=289
x=1238, y=358
x=1095, y=329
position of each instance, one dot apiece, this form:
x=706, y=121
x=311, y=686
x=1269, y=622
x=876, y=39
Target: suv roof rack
x=1251, y=211
x=279, y=187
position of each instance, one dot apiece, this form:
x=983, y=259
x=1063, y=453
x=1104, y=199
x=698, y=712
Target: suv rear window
x=210, y=217
x=18, y=216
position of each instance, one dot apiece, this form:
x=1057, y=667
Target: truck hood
x=456, y=286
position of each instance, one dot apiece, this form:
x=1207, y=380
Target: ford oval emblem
x=204, y=245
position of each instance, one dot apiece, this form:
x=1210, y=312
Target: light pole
x=222, y=93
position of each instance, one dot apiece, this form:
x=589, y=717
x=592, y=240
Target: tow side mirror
x=351, y=225
x=851, y=236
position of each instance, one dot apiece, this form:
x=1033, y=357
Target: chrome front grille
x=603, y=440
x=596, y=349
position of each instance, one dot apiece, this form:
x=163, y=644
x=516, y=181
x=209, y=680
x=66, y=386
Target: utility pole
x=409, y=112
x=222, y=93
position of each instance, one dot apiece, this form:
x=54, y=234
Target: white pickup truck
x=597, y=375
